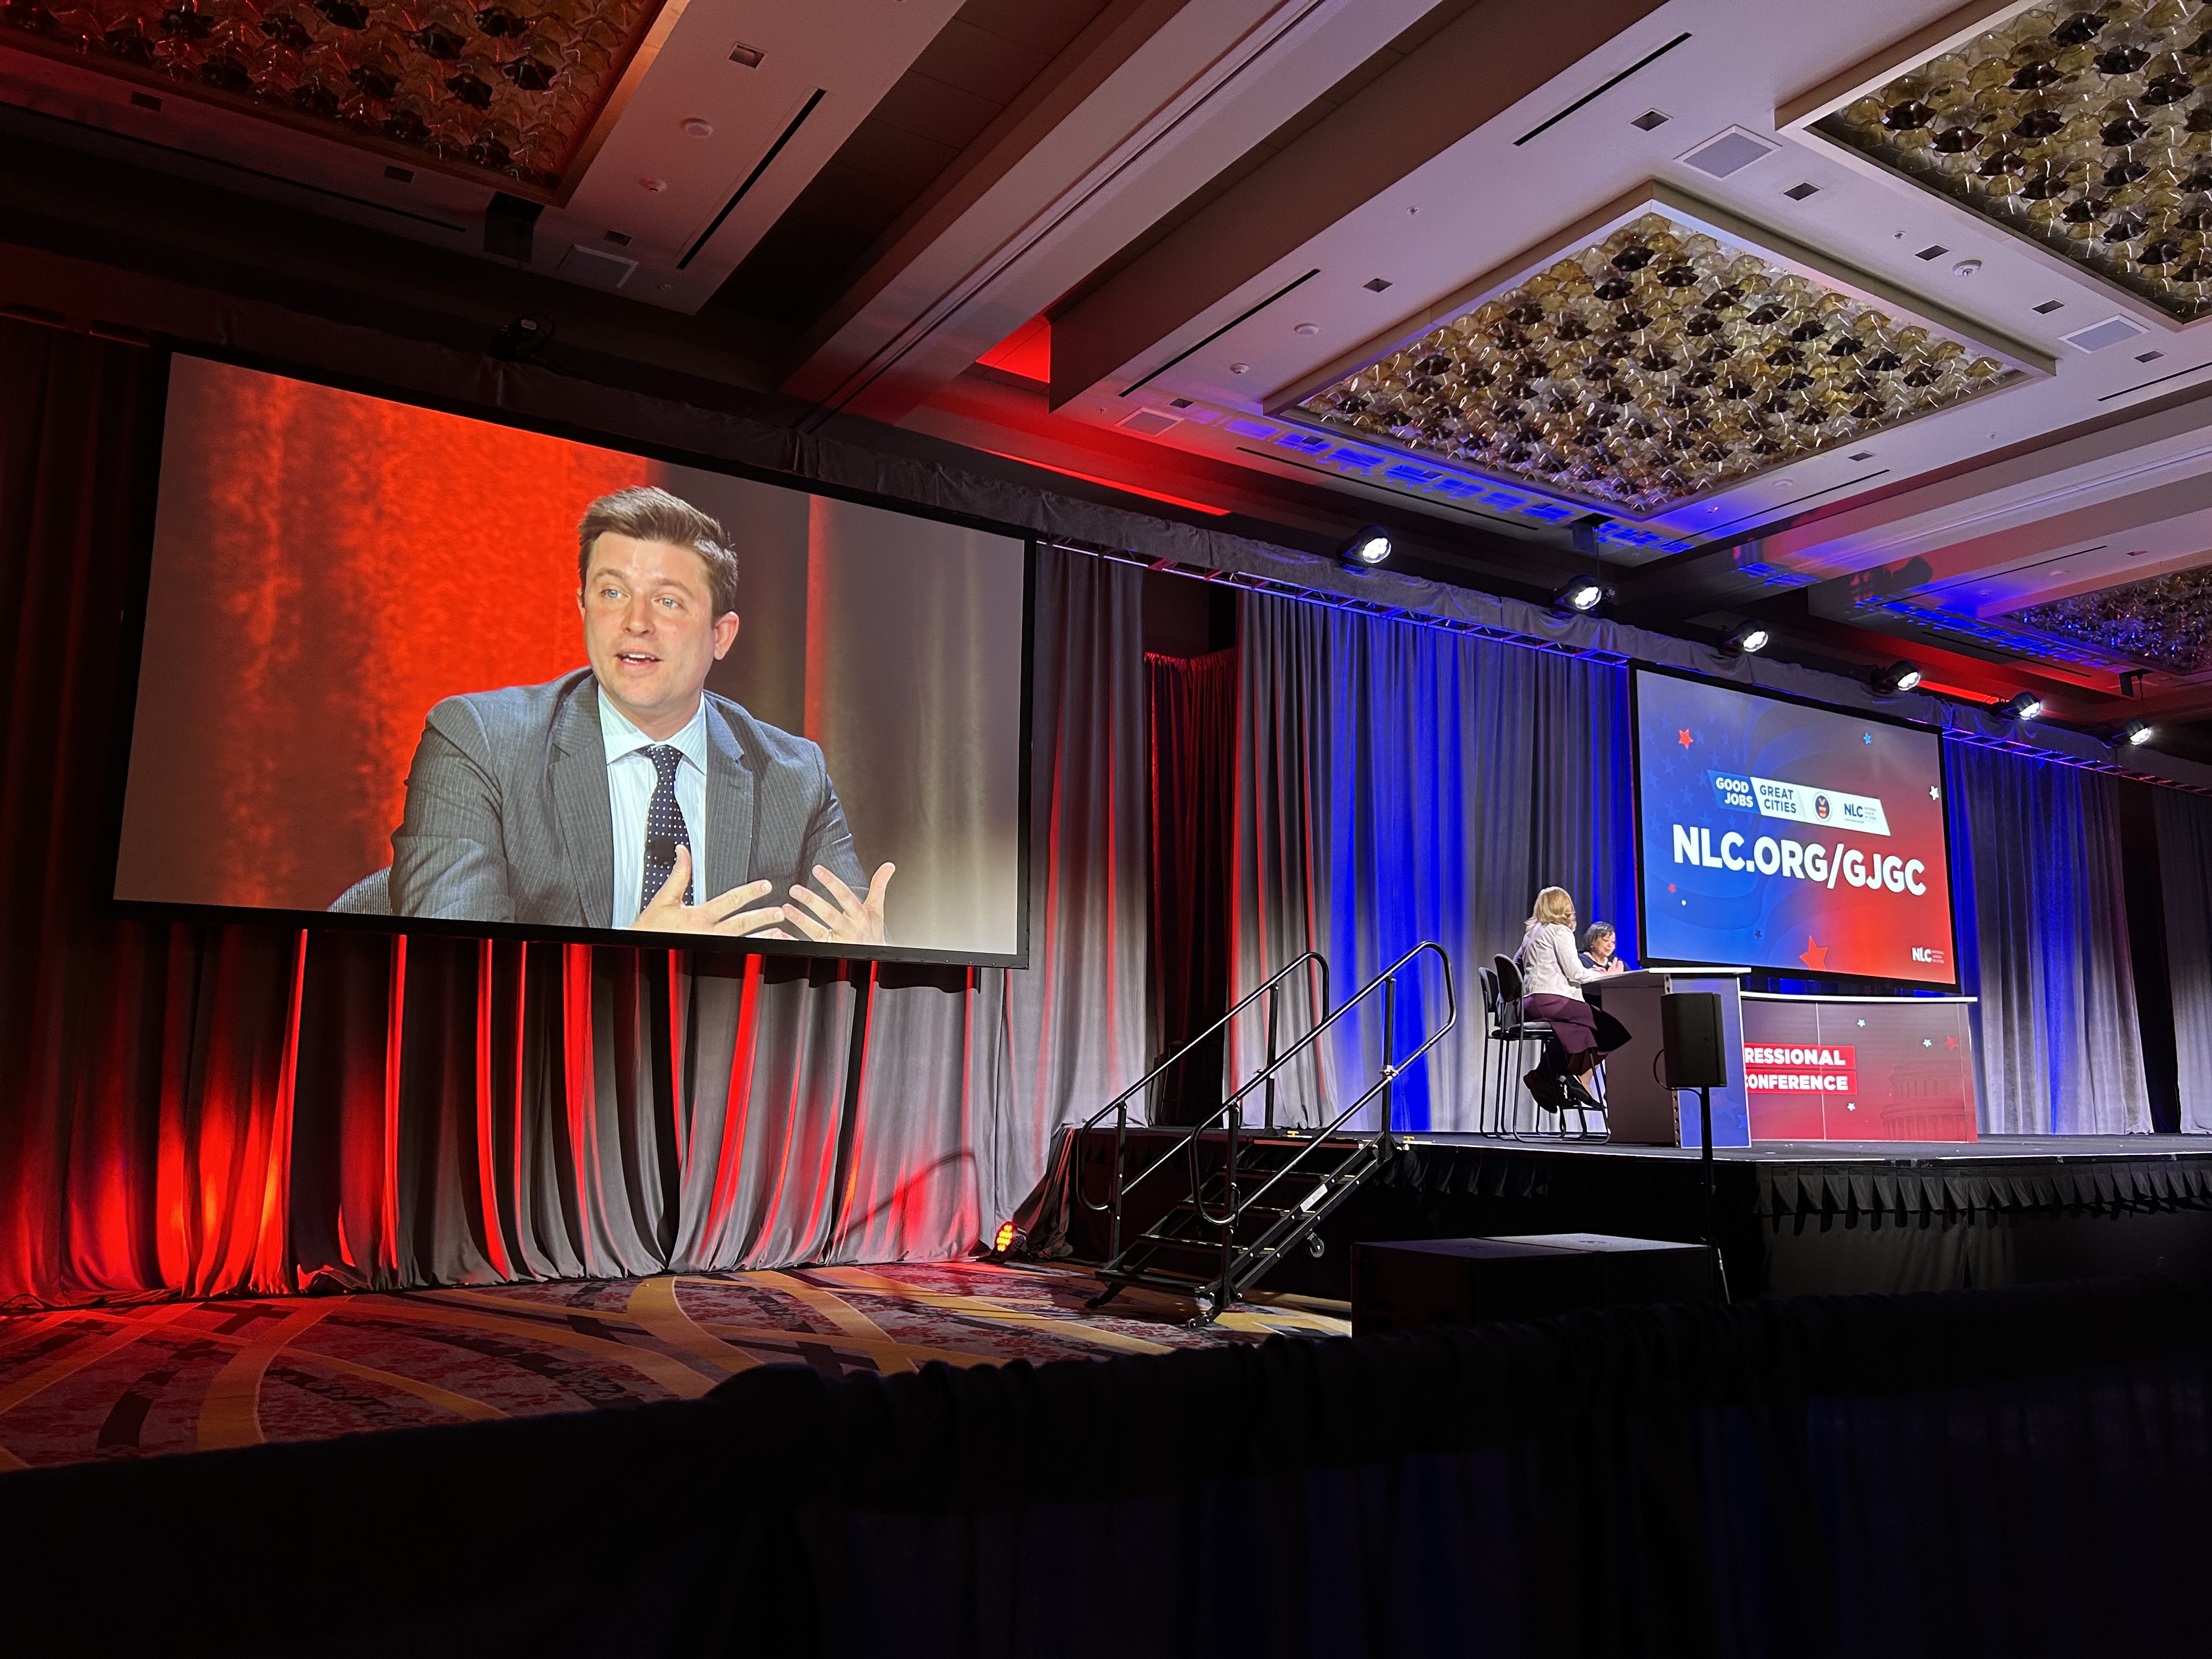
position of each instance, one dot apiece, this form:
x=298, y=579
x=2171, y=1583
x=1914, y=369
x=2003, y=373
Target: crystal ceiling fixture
x=2164, y=622
x=1651, y=355
x=507, y=93
x=2085, y=128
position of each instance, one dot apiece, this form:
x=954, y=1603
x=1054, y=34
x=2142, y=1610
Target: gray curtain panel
x=1396, y=784
x=2184, y=859
x=2043, y=942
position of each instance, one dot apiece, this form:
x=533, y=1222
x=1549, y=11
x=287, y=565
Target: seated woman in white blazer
x=1552, y=976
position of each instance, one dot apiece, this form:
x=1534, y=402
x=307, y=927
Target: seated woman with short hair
x=1552, y=976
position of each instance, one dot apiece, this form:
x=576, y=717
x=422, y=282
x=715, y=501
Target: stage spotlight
x=2131, y=733
x=1749, y=640
x=524, y=340
x=1008, y=1240
x=2021, y=706
x=1582, y=595
x=1900, y=676
x=1367, y=549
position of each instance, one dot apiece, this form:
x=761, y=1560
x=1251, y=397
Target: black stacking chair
x=1510, y=1034
x=1519, y=1029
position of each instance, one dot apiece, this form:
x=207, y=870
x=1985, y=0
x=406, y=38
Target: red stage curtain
x=1192, y=740
x=194, y=1109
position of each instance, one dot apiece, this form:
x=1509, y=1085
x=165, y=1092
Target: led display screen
x=1803, y=840
x=399, y=661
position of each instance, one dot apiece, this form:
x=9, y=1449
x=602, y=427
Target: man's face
x=649, y=629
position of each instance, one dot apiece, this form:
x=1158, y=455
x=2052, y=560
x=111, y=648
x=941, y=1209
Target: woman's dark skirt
x=1581, y=1035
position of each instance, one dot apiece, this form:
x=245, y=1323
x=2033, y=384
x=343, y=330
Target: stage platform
x=1792, y=1217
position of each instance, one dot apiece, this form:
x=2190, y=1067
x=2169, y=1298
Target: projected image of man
x=626, y=795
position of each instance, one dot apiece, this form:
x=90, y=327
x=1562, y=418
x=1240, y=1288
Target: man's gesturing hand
x=843, y=918
x=725, y=914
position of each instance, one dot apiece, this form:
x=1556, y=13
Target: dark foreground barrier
x=2019, y=1472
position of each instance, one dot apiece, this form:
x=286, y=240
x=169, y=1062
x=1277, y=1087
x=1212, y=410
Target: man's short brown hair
x=647, y=513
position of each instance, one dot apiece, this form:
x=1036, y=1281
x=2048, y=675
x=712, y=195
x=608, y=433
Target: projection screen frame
x=137, y=589
x=1637, y=668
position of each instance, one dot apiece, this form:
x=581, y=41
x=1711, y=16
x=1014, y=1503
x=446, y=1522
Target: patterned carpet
x=194, y=1375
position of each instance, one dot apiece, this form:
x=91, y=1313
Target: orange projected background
x=326, y=566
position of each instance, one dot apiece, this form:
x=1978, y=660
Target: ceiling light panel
x=1661, y=352
x=2081, y=128
x=505, y=94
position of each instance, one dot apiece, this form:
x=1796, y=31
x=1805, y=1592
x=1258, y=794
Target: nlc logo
x=1922, y=953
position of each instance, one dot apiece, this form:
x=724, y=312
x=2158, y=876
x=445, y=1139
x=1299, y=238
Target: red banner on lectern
x=1906, y=1073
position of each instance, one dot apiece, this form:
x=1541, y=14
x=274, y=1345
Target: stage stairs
x=1251, y=1196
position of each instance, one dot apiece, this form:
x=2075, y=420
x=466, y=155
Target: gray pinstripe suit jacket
x=508, y=818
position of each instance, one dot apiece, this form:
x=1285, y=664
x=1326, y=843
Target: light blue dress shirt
x=630, y=781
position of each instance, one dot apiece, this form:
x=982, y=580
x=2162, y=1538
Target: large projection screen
x=348, y=590
x=1775, y=836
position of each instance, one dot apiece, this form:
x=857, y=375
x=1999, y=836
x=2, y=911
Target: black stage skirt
x=1581, y=1035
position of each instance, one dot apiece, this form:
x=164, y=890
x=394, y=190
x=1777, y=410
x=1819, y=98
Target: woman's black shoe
x=1545, y=1089
x=1578, y=1096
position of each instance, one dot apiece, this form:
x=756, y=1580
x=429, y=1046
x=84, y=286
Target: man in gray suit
x=591, y=800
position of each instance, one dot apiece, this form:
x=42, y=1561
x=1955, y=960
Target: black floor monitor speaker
x=1691, y=1037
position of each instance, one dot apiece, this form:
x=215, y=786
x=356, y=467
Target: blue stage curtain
x=2043, y=942
x=1397, y=783
x=2185, y=859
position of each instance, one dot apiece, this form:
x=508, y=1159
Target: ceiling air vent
x=1733, y=151
x=2113, y=330
x=593, y=268
x=1150, y=422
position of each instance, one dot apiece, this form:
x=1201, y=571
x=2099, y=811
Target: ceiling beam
x=1480, y=65
x=1147, y=105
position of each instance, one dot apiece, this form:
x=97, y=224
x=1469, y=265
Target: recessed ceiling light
x=1933, y=251
x=1967, y=268
x=1862, y=455
x=1376, y=284
x=1650, y=119
x=619, y=238
x=656, y=186
x=697, y=126
x=1307, y=329
x=1799, y=192
x=146, y=100
x=2050, y=305
x=1240, y=368
x=749, y=57
x=399, y=175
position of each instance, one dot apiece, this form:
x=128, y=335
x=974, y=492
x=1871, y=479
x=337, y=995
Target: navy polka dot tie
x=665, y=831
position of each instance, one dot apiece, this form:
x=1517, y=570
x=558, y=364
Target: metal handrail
x=1232, y=1110
x=1120, y=1103
x=1385, y=981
